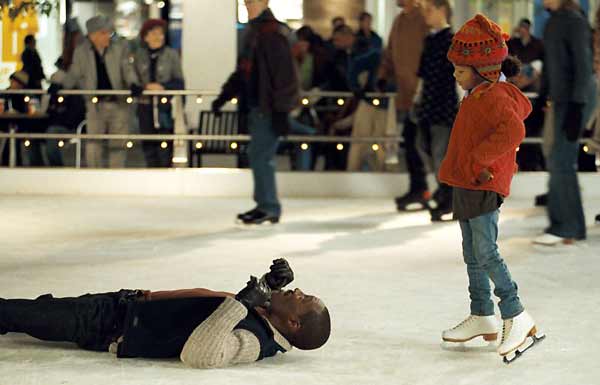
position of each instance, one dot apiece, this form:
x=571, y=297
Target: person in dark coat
x=32, y=64
x=157, y=67
x=266, y=82
x=567, y=81
x=201, y=327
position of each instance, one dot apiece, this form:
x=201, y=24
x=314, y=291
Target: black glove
x=281, y=123
x=54, y=88
x=281, y=274
x=573, y=123
x=256, y=293
x=359, y=94
x=382, y=85
x=136, y=90
x=216, y=106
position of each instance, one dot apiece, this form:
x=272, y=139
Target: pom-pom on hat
x=481, y=44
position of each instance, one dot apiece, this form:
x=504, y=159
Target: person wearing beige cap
x=102, y=62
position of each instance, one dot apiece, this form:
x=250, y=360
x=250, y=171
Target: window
x=284, y=10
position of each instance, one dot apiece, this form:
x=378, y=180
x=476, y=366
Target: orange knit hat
x=481, y=44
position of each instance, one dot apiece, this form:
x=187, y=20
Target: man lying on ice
x=205, y=329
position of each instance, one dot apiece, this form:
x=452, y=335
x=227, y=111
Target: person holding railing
x=101, y=62
x=158, y=67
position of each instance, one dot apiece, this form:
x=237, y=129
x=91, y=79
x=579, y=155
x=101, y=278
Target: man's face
x=294, y=303
x=342, y=41
x=101, y=38
x=552, y=5
x=155, y=38
x=523, y=30
x=255, y=8
x=366, y=23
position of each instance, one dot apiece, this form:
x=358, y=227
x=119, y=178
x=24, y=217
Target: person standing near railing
x=266, y=82
x=437, y=99
x=400, y=64
x=567, y=81
x=102, y=62
x=158, y=68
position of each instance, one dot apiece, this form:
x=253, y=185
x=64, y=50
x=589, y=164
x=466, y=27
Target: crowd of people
x=412, y=66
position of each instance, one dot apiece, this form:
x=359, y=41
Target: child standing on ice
x=479, y=164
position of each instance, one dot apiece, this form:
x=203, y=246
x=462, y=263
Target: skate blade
x=529, y=343
x=244, y=225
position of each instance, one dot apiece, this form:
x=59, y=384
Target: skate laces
x=468, y=320
x=506, y=327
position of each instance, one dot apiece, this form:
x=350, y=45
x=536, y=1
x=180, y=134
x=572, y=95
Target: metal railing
x=307, y=99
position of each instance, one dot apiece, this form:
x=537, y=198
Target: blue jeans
x=565, y=209
x=261, y=152
x=54, y=153
x=484, y=263
x=301, y=159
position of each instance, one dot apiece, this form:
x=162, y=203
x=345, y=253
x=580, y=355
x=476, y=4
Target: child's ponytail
x=511, y=66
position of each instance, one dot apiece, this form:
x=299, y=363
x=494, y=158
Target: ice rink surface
x=392, y=282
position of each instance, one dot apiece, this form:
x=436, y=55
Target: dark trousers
x=565, y=208
x=92, y=321
x=414, y=163
x=155, y=155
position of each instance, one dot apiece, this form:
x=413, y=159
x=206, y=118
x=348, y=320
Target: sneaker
x=552, y=240
x=473, y=326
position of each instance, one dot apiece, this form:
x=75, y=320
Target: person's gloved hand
x=136, y=90
x=484, y=176
x=216, y=106
x=281, y=123
x=359, y=94
x=382, y=85
x=256, y=293
x=573, y=123
x=54, y=88
x=281, y=274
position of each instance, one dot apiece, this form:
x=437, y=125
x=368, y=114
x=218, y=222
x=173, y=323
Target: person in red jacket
x=479, y=164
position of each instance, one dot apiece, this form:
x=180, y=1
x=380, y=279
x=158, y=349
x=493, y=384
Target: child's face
x=466, y=77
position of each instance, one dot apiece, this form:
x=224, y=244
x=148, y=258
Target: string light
x=304, y=146
x=26, y=99
x=341, y=102
x=586, y=149
x=375, y=147
x=61, y=99
x=234, y=101
x=305, y=102
x=233, y=145
x=129, y=144
x=376, y=102
x=164, y=145
x=27, y=143
x=340, y=147
x=164, y=100
x=95, y=100
x=160, y=5
x=129, y=100
x=198, y=145
x=61, y=143
x=199, y=100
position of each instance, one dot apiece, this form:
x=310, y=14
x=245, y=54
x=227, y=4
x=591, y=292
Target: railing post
x=12, y=148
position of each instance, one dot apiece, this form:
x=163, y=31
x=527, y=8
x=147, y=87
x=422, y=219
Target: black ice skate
x=598, y=219
x=256, y=217
x=413, y=201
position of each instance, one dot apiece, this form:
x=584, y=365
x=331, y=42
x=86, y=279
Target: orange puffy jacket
x=486, y=134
